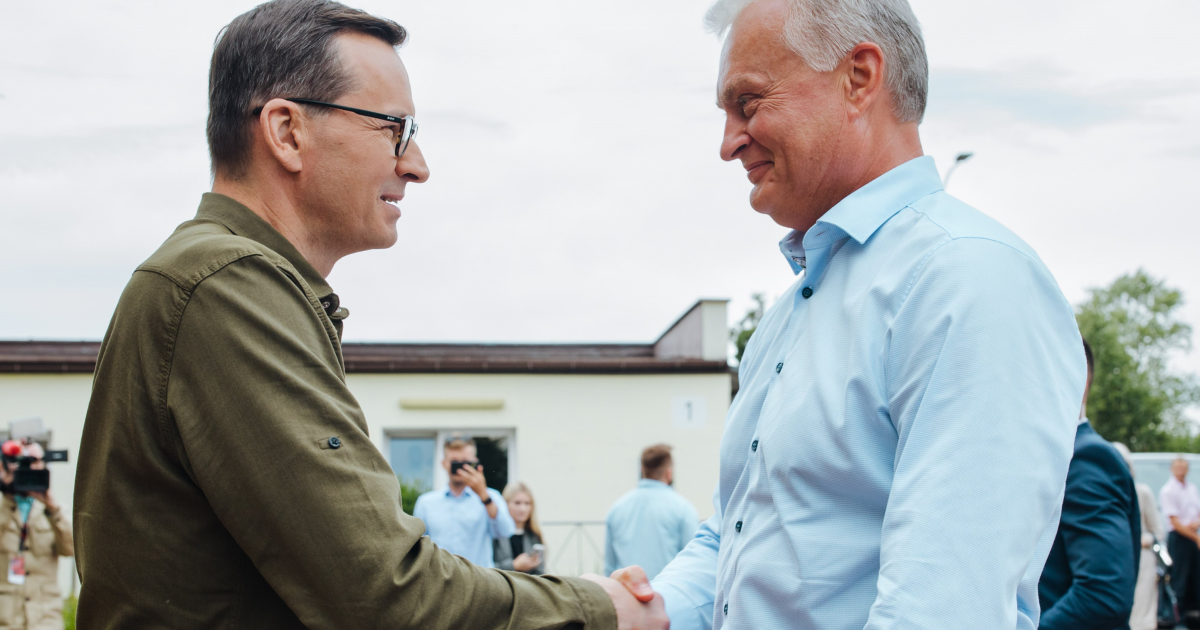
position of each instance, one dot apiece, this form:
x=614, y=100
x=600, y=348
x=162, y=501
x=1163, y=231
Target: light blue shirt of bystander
x=647, y=527
x=897, y=453
x=460, y=524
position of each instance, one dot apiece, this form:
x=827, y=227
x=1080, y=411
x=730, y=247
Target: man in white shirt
x=1181, y=511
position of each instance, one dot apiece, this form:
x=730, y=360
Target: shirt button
x=807, y=292
x=334, y=442
x=738, y=527
x=754, y=446
x=779, y=368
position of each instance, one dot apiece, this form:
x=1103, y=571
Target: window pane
x=493, y=454
x=412, y=460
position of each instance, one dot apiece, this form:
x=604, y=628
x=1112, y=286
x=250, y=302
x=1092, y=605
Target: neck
x=883, y=147
x=277, y=208
x=457, y=489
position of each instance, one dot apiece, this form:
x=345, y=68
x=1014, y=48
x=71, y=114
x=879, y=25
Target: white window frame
x=440, y=479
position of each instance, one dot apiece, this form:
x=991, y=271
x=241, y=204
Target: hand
x=46, y=499
x=632, y=614
x=525, y=562
x=634, y=579
x=474, y=479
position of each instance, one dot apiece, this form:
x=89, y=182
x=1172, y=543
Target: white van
x=1154, y=469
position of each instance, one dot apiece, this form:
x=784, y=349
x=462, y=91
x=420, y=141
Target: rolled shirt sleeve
x=984, y=394
x=257, y=407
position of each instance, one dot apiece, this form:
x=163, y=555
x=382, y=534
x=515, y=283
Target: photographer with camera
x=34, y=532
x=464, y=518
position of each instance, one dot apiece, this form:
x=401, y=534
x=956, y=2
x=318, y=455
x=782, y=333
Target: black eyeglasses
x=408, y=125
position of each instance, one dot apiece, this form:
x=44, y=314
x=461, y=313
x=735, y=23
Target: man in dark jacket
x=1089, y=578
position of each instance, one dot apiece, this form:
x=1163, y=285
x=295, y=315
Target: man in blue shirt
x=1090, y=576
x=651, y=523
x=464, y=518
x=896, y=455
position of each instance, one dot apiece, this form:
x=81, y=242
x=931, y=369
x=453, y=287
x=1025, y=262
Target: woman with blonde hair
x=523, y=550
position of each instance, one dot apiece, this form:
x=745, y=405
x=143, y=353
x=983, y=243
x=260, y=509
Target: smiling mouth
x=756, y=170
x=394, y=201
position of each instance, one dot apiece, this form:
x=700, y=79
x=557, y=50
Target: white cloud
x=576, y=190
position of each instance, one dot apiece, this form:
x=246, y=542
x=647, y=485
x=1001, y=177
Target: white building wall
x=578, y=437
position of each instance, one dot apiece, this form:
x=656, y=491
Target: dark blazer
x=1090, y=575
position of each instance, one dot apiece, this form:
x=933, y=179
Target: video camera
x=22, y=449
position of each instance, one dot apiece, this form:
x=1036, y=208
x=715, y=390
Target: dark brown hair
x=282, y=48
x=655, y=459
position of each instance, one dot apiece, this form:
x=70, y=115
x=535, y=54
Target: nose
x=411, y=167
x=736, y=139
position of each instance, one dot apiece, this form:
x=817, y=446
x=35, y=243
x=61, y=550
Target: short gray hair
x=822, y=32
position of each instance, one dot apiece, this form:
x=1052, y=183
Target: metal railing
x=572, y=548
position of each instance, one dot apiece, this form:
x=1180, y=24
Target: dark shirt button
x=738, y=527
x=334, y=442
x=807, y=292
x=779, y=368
x=754, y=445
x=726, y=609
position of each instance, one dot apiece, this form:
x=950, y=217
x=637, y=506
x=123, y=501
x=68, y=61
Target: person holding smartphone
x=467, y=516
x=523, y=551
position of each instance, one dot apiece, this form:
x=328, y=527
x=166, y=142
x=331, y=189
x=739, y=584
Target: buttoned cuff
x=598, y=609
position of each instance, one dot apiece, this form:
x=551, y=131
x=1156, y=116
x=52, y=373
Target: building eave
x=79, y=357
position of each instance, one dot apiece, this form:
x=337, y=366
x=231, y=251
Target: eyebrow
x=736, y=84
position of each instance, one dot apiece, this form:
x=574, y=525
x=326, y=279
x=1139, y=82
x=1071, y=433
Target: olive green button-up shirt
x=209, y=493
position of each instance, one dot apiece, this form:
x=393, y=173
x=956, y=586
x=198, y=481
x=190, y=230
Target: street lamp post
x=962, y=157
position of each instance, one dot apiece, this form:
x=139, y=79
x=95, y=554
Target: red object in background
x=12, y=448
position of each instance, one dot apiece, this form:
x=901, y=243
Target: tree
x=1134, y=329
x=740, y=334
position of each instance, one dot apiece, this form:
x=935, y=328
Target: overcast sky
x=577, y=193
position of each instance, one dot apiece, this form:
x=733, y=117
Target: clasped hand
x=638, y=606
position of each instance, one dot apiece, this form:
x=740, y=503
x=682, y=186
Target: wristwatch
x=487, y=499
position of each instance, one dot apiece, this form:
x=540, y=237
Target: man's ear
x=283, y=128
x=863, y=71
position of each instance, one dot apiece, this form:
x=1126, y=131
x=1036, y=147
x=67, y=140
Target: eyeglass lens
x=406, y=134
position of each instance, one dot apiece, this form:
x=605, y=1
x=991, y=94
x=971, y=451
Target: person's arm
x=1187, y=531
x=64, y=543
x=984, y=373
x=1151, y=522
x=252, y=405
x=689, y=522
x=688, y=584
x=1096, y=534
x=502, y=524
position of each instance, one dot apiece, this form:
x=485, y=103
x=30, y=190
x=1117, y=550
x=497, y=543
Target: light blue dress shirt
x=897, y=453
x=647, y=527
x=461, y=525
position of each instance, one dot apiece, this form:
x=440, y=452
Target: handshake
x=638, y=606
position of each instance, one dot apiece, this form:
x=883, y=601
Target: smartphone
x=537, y=549
x=456, y=466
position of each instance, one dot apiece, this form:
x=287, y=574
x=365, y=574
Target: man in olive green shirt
x=226, y=478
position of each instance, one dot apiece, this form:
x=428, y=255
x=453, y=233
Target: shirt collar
x=651, y=483
x=466, y=492
x=863, y=211
x=242, y=221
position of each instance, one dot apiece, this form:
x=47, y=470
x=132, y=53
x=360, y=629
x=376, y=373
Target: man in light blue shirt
x=651, y=523
x=896, y=455
x=464, y=518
